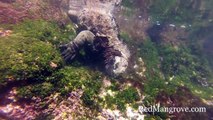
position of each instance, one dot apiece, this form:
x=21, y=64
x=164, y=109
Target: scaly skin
x=96, y=15
x=69, y=50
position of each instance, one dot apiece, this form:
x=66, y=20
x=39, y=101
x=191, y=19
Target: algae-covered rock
x=24, y=58
x=29, y=51
x=64, y=81
x=72, y=78
x=47, y=31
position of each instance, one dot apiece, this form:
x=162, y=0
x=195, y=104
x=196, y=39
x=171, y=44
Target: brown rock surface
x=14, y=11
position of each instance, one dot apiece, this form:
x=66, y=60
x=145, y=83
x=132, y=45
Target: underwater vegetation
x=30, y=56
x=168, y=67
x=25, y=58
x=30, y=61
x=45, y=31
x=129, y=95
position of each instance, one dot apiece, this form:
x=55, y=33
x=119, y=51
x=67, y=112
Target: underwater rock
x=4, y=33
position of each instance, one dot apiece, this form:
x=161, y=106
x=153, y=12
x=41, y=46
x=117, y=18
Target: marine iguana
x=101, y=33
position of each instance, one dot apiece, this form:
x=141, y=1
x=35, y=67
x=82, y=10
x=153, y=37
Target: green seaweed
x=47, y=31
x=25, y=58
x=64, y=81
x=187, y=69
x=169, y=67
x=38, y=90
x=122, y=97
x=27, y=55
x=72, y=78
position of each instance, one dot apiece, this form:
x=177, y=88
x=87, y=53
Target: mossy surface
x=47, y=31
x=181, y=67
x=64, y=81
x=169, y=67
x=129, y=95
x=41, y=90
x=25, y=58
x=72, y=78
x=30, y=55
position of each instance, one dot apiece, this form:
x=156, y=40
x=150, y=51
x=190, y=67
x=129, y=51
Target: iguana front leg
x=70, y=50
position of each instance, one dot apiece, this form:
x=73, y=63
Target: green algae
x=64, y=81
x=72, y=78
x=169, y=67
x=129, y=95
x=25, y=58
x=47, y=31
